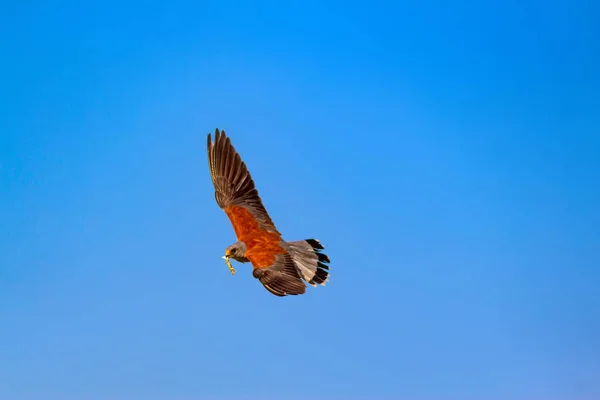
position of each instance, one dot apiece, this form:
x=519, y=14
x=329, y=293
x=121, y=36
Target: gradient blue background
x=448, y=156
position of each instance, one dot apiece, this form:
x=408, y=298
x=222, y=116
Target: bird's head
x=237, y=251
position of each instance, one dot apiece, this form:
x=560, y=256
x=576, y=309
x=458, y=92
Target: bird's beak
x=226, y=258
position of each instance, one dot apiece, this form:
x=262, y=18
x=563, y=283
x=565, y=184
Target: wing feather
x=233, y=183
x=281, y=278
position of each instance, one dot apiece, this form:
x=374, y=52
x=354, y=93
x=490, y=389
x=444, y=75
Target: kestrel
x=279, y=265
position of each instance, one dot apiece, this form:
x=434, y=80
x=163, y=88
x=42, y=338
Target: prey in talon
x=226, y=258
x=282, y=267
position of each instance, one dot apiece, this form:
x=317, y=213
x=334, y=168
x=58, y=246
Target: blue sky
x=447, y=155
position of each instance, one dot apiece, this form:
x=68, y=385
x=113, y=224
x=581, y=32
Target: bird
x=282, y=267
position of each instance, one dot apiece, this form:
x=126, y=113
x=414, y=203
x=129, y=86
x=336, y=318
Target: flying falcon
x=279, y=265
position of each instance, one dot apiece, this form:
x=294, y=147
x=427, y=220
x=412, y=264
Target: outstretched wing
x=282, y=277
x=235, y=192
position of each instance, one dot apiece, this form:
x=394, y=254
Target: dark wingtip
x=323, y=257
x=323, y=266
x=220, y=133
x=320, y=276
x=315, y=244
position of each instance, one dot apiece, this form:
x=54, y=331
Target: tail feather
x=310, y=261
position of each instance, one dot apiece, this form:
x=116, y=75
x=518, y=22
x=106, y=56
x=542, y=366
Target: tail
x=310, y=262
